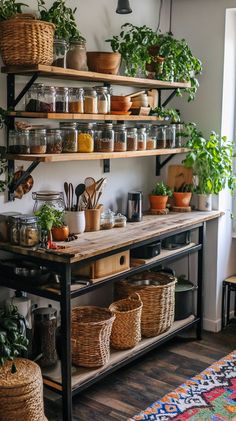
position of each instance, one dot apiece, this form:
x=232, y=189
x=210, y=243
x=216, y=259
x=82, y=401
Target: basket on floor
x=157, y=292
x=26, y=41
x=90, y=336
x=126, y=329
x=21, y=393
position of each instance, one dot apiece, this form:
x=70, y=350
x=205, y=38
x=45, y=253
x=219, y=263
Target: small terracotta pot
x=158, y=202
x=60, y=233
x=182, y=199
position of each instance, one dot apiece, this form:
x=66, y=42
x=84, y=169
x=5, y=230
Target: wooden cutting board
x=178, y=174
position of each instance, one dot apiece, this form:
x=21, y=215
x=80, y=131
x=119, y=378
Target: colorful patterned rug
x=210, y=396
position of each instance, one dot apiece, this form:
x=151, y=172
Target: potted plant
x=182, y=195
x=170, y=114
x=159, y=196
x=51, y=220
x=212, y=162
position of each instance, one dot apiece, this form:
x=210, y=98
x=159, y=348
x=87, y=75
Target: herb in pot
x=166, y=114
x=159, y=196
x=161, y=189
x=49, y=218
x=9, y=8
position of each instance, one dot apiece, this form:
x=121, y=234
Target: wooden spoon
x=90, y=184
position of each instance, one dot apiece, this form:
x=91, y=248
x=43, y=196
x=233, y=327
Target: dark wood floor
x=133, y=388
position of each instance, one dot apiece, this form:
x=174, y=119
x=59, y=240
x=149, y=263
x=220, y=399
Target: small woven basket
x=90, y=336
x=21, y=393
x=126, y=329
x=26, y=41
x=157, y=292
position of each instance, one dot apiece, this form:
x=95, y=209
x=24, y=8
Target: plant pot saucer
x=181, y=209
x=158, y=211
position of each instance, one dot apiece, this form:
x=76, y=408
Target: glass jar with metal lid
x=102, y=99
x=44, y=339
x=170, y=136
x=54, y=141
x=47, y=99
x=76, y=100
x=69, y=137
x=19, y=142
x=31, y=97
x=38, y=141
x=151, y=138
x=104, y=138
x=60, y=48
x=107, y=220
x=132, y=139
x=90, y=101
x=51, y=198
x=5, y=218
x=76, y=57
x=161, y=137
x=62, y=99
x=142, y=139
x=120, y=138
x=29, y=233
x=85, y=137
x=14, y=229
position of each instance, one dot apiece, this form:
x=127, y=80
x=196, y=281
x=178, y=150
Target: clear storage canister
x=76, y=57
x=47, y=99
x=51, y=198
x=170, y=136
x=76, y=100
x=104, y=138
x=120, y=138
x=44, y=338
x=85, y=137
x=69, y=137
x=19, y=142
x=60, y=48
x=132, y=139
x=29, y=233
x=180, y=139
x=5, y=225
x=90, y=101
x=161, y=137
x=142, y=139
x=31, y=97
x=152, y=138
x=14, y=229
x=102, y=99
x=38, y=141
x=54, y=141
x=62, y=100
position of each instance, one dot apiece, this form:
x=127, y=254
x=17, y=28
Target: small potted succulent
x=51, y=220
x=182, y=195
x=159, y=196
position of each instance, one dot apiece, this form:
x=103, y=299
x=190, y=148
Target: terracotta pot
x=60, y=233
x=182, y=199
x=103, y=62
x=158, y=202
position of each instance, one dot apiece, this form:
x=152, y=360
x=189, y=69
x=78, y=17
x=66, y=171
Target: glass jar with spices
x=102, y=100
x=151, y=138
x=60, y=48
x=120, y=138
x=14, y=229
x=69, y=136
x=19, y=142
x=62, y=100
x=31, y=97
x=132, y=139
x=90, y=101
x=76, y=100
x=44, y=338
x=29, y=233
x=161, y=137
x=76, y=57
x=51, y=198
x=104, y=138
x=120, y=221
x=107, y=220
x=85, y=137
x=170, y=136
x=54, y=141
x=5, y=225
x=142, y=139
x=37, y=141
x=47, y=99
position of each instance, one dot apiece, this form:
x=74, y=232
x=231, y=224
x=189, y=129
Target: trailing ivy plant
x=9, y=8
x=161, y=189
x=167, y=114
x=211, y=160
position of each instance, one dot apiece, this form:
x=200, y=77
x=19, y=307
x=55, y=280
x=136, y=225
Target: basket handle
x=25, y=16
x=135, y=297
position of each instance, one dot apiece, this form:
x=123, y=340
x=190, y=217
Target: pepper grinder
x=134, y=206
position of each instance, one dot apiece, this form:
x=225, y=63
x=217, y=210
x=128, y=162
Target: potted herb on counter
x=159, y=196
x=182, y=195
x=51, y=220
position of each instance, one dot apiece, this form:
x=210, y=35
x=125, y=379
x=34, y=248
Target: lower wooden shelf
x=83, y=377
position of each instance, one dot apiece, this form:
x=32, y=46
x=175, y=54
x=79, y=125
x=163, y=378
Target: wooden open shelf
x=70, y=74
x=75, y=116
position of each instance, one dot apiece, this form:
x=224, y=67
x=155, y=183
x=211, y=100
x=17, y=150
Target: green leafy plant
x=161, y=189
x=167, y=114
x=184, y=188
x=9, y=8
x=63, y=18
x=12, y=334
x=49, y=217
x=211, y=160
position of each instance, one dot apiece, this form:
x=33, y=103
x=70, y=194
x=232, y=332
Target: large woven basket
x=90, y=336
x=126, y=329
x=21, y=393
x=157, y=292
x=26, y=41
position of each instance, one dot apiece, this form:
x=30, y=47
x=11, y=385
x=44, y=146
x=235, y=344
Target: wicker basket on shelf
x=21, y=393
x=90, y=336
x=25, y=40
x=157, y=292
x=126, y=329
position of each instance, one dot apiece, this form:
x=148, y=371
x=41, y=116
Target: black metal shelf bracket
x=106, y=165
x=13, y=186
x=160, y=165
x=168, y=99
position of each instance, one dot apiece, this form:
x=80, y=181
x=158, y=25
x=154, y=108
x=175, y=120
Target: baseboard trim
x=214, y=325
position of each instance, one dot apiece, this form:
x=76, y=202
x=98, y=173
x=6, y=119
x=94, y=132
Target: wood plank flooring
x=133, y=388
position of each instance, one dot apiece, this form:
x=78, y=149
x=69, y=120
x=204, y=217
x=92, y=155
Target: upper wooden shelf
x=70, y=74
x=75, y=116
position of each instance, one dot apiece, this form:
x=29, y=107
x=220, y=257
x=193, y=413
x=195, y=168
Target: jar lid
x=100, y=89
x=142, y=129
x=53, y=131
x=8, y=215
x=15, y=218
x=107, y=126
x=49, y=88
x=84, y=126
x=28, y=219
x=120, y=217
x=45, y=313
x=68, y=125
x=76, y=90
x=132, y=129
x=60, y=41
x=108, y=214
x=39, y=131
x=61, y=89
x=90, y=91
x=120, y=126
x=47, y=195
x=81, y=42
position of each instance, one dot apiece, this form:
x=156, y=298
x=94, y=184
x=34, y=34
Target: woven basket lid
x=27, y=372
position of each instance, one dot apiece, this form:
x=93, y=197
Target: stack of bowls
x=120, y=104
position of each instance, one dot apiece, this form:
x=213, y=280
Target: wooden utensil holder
x=92, y=219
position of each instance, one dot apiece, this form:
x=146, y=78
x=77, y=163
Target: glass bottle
x=19, y=142
x=47, y=99
x=170, y=136
x=54, y=141
x=102, y=100
x=104, y=138
x=69, y=136
x=161, y=137
x=85, y=137
x=76, y=100
x=62, y=100
x=120, y=138
x=29, y=233
x=51, y=198
x=60, y=48
x=14, y=229
x=31, y=97
x=142, y=139
x=132, y=139
x=180, y=140
x=107, y=220
x=151, y=138
x=90, y=101
x=76, y=57
x=38, y=141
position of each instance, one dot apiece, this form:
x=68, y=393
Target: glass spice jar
x=120, y=221
x=170, y=136
x=76, y=100
x=142, y=139
x=104, y=138
x=14, y=229
x=69, y=136
x=161, y=137
x=151, y=138
x=54, y=141
x=90, y=101
x=76, y=57
x=120, y=138
x=31, y=97
x=107, y=220
x=132, y=139
x=29, y=233
x=85, y=137
x=5, y=225
x=180, y=139
x=19, y=142
x=102, y=99
x=62, y=100
x=47, y=99
x=38, y=141
x=60, y=48
x=44, y=339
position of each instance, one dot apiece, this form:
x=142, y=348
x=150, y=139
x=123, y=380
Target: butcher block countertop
x=91, y=244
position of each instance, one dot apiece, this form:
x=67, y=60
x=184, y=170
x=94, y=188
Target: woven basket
x=126, y=329
x=90, y=336
x=26, y=41
x=157, y=292
x=21, y=393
